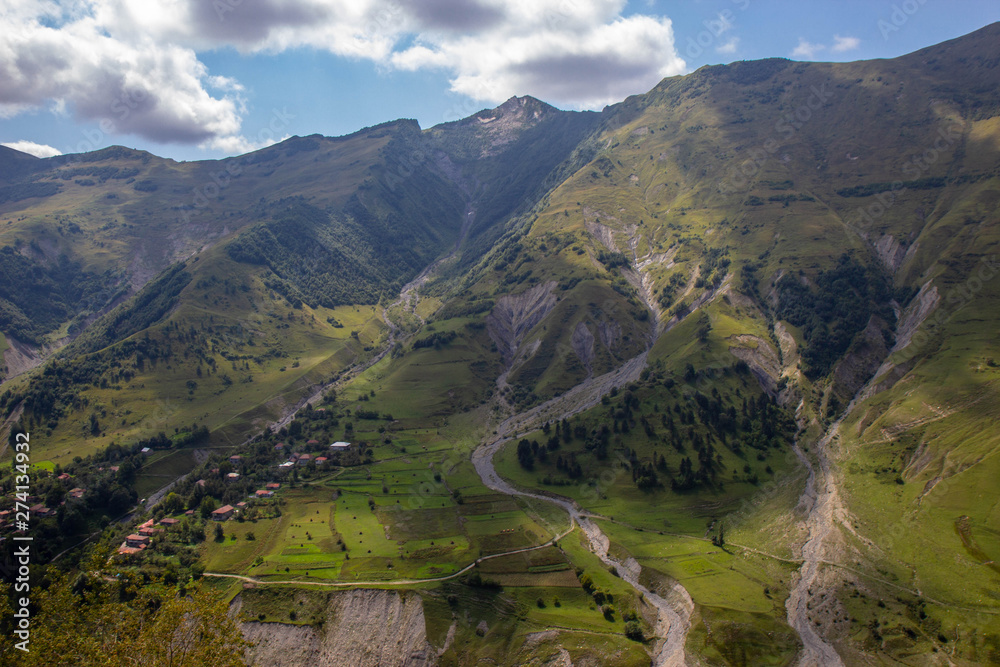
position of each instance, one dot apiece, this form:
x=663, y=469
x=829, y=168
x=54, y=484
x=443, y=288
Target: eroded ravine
x=819, y=498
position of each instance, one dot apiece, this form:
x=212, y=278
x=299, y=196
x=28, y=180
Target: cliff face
x=362, y=628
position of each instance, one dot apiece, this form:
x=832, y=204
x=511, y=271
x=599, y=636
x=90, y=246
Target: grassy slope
x=670, y=178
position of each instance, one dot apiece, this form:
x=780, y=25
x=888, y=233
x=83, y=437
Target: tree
x=122, y=621
x=208, y=505
x=172, y=504
x=219, y=534
x=525, y=456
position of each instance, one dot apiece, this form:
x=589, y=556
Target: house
x=274, y=486
x=235, y=459
x=63, y=477
x=241, y=505
x=280, y=446
x=76, y=493
x=312, y=442
x=233, y=476
x=224, y=513
x=303, y=459
x=189, y=513
x=340, y=446
x=145, y=450
x=168, y=522
x=286, y=465
x=200, y=482
x=137, y=541
x=263, y=493
x=126, y=550
x=149, y=531
x=41, y=511
x=321, y=460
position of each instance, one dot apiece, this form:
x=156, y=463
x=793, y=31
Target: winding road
x=673, y=616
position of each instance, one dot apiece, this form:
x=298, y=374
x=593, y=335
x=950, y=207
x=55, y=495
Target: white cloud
x=132, y=66
x=730, y=46
x=136, y=86
x=30, y=147
x=806, y=50
x=841, y=44
x=582, y=67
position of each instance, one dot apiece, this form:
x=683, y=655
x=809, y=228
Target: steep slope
x=786, y=215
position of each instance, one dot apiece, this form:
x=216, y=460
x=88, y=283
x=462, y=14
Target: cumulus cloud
x=30, y=147
x=841, y=44
x=132, y=66
x=138, y=86
x=806, y=50
x=561, y=57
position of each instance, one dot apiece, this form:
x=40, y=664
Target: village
x=137, y=542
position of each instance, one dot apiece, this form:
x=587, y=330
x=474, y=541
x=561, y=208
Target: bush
x=634, y=631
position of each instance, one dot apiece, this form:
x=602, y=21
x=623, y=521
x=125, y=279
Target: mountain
x=714, y=365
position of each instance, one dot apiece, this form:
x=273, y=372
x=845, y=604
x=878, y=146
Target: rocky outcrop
x=610, y=333
x=20, y=358
x=918, y=310
x=761, y=357
x=890, y=252
x=583, y=344
x=515, y=315
x=867, y=352
x=362, y=628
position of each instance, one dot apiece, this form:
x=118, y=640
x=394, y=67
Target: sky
x=201, y=79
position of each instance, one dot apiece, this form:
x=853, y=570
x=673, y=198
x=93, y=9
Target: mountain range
x=723, y=356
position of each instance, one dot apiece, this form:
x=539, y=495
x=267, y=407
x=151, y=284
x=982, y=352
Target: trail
x=395, y=582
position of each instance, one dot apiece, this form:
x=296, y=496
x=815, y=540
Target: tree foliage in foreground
x=95, y=619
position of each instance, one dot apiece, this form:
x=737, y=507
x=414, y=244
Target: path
x=397, y=582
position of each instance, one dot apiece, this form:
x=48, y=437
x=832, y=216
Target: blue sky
x=196, y=79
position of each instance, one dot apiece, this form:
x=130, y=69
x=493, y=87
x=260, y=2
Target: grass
x=288, y=361
x=392, y=520
x=161, y=468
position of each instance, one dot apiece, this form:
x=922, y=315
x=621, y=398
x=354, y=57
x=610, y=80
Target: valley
x=676, y=383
